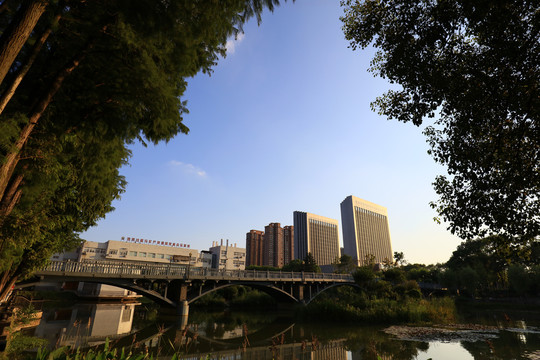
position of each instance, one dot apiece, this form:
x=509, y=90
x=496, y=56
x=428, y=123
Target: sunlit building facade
x=273, y=245
x=366, y=233
x=317, y=235
x=254, y=247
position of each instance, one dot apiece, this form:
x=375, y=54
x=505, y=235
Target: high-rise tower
x=273, y=245
x=317, y=235
x=288, y=244
x=254, y=247
x=366, y=232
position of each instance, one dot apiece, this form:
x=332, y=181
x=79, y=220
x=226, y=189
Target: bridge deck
x=115, y=269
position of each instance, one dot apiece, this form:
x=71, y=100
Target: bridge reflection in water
x=209, y=336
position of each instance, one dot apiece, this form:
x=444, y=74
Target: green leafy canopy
x=474, y=66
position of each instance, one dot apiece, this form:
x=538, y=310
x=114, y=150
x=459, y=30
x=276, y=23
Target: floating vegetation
x=453, y=332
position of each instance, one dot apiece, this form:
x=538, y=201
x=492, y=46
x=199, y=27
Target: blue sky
x=283, y=124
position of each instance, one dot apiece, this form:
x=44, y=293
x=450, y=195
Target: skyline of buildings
x=366, y=231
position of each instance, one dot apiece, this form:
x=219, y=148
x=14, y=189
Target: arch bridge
x=178, y=285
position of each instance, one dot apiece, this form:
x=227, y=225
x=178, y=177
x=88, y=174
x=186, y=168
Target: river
x=273, y=334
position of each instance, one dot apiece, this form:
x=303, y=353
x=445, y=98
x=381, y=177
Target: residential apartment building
x=317, y=235
x=288, y=244
x=366, y=232
x=273, y=245
x=254, y=247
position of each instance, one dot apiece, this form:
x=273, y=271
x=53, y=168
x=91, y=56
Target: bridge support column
x=183, y=311
x=299, y=293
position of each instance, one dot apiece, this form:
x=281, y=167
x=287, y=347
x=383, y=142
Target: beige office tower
x=365, y=230
x=317, y=235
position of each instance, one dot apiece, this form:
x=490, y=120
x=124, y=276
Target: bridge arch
x=131, y=286
x=330, y=287
x=272, y=290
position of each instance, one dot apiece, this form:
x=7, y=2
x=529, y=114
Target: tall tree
x=490, y=257
x=107, y=74
x=476, y=64
x=310, y=264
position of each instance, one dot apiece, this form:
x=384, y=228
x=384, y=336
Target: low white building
x=227, y=257
x=134, y=252
x=114, y=250
x=219, y=256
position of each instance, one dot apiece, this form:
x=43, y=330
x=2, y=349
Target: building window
x=126, y=314
x=160, y=256
x=142, y=254
x=151, y=255
x=132, y=253
x=113, y=252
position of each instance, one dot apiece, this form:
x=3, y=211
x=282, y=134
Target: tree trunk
x=8, y=93
x=17, y=32
x=12, y=158
x=5, y=289
x=10, y=199
x=4, y=278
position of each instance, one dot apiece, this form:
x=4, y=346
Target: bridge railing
x=149, y=270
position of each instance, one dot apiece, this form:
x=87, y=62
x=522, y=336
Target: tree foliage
x=295, y=265
x=109, y=73
x=476, y=65
x=344, y=265
x=310, y=264
x=483, y=264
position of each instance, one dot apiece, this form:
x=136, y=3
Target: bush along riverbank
x=381, y=311
x=385, y=297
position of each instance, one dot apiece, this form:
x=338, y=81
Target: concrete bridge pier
x=183, y=311
x=299, y=293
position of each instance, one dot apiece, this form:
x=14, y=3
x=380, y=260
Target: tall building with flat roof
x=273, y=245
x=254, y=247
x=317, y=235
x=366, y=231
x=288, y=244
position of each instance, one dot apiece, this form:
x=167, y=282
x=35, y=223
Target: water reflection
x=249, y=336
x=86, y=324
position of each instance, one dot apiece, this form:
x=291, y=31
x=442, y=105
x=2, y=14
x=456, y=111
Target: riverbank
x=382, y=311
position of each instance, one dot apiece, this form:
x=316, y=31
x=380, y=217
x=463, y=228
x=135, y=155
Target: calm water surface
x=270, y=335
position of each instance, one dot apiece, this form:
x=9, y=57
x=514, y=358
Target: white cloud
x=232, y=42
x=188, y=168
